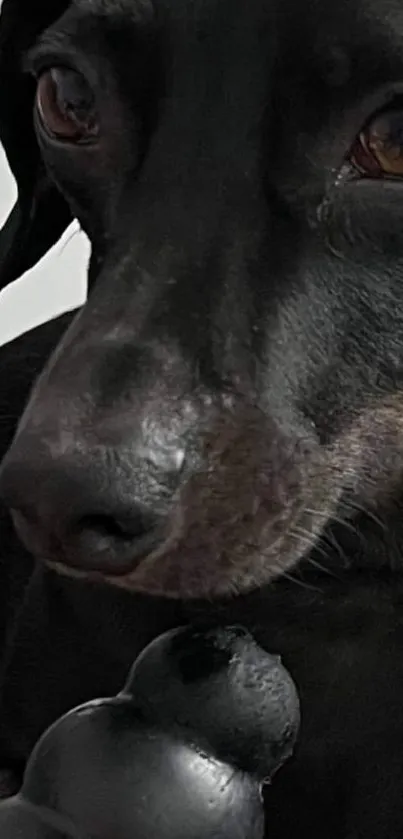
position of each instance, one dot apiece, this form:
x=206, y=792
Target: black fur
x=41, y=213
x=233, y=383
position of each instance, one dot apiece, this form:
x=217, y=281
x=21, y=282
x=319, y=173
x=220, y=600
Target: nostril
x=111, y=544
x=110, y=528
x=61, y=516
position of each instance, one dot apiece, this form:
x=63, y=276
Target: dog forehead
x=307, y=22
x=194, y=11
x=111, y=7
x=114, y=8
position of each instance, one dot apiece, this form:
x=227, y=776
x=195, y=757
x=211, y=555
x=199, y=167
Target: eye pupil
x=66, y=105
x=378, y=151
x=72, y=92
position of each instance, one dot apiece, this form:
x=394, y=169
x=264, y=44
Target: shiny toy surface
x=204, y=720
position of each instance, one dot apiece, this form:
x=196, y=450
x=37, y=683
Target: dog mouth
x=245, y=520
x=102, y=547
x=195, y=568
x=249, y=554
x=258, y=505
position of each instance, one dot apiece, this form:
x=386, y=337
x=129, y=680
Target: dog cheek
x=232, y=516
x=369, y=453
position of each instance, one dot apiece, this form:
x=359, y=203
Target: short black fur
x=217, y=435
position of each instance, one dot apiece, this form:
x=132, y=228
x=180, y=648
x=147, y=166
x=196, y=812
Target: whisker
x=358, y=508
x=333, y=518
x=299, y=582
x=312, y=544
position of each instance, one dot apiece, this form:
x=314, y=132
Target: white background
x=56, y=284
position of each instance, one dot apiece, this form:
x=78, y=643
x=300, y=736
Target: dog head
x=232, y=384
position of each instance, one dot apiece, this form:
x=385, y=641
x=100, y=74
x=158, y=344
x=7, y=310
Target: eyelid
x=395, y=105
x=46, y=54
x=359, y=116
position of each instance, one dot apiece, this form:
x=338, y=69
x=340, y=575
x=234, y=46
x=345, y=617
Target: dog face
x=232, y=384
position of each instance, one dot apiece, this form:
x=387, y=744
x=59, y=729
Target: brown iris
x=378, y=150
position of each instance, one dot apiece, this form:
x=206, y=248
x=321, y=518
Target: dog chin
x=197, y=573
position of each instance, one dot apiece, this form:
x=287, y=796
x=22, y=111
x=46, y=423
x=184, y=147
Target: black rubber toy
x=182, y=752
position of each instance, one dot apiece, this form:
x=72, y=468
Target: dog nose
x=101, y=511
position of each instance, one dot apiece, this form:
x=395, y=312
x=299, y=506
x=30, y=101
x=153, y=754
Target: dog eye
x=66, y=106
x=378, y=150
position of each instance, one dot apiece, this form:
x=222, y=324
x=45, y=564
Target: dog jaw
x=262, y=501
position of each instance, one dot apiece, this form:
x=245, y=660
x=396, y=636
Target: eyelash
x=43, y=57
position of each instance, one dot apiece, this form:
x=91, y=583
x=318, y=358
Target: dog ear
x=40, y=214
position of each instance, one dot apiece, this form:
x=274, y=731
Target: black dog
x=224, y=415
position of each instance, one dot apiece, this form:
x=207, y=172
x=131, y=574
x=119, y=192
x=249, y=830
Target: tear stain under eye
x=337, y=180
x=378, y=159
